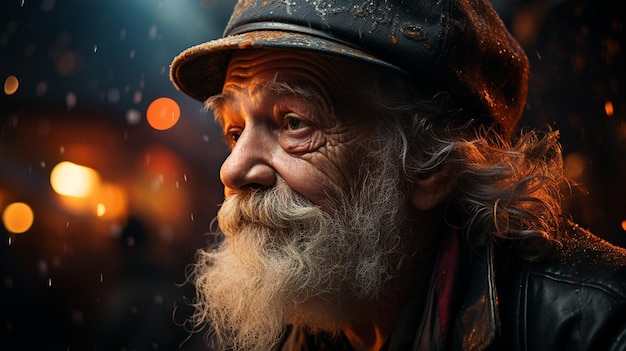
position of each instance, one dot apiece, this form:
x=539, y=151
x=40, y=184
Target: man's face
x=314, y=222
x=278, y=111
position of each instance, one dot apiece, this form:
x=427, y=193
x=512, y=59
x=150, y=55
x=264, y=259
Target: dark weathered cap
x=461, y=45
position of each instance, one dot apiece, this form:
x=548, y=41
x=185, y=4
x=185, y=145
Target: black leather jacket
x=574, y=299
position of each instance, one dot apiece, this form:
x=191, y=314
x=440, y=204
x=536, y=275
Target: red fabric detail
x=446, y=276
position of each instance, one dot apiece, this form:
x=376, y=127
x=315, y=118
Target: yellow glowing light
x=163, y=113
x=106, y=201
x=101, y=210
x=608, y=108
x=10, y=85
x=70, y=179
x=624, y=224
x=111, y=201
x=18, y=217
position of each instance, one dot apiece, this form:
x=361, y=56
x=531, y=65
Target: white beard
x=285, y=261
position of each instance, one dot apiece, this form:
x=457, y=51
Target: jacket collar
x=478, y=323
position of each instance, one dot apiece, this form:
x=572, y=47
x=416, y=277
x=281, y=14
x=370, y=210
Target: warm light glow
x=70, y=179
x=608, y=108
x=575, y=164
x=111, y=201
x=18, y=217
x=163, y=113
x=624, y=224
x=10, y=85
x=106, y=201
x=101, y=210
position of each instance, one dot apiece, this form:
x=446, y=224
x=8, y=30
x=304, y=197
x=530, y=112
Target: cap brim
x=200, y=70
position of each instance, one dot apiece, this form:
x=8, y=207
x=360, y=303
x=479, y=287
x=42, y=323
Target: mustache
x=278, y=208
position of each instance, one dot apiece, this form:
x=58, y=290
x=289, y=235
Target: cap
x=461, y=46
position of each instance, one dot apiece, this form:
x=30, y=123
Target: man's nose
x=248, y=166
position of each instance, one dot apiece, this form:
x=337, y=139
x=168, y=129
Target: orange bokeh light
x=17, y=217
x=11, y=84
x=608, y=108
x=163, y=113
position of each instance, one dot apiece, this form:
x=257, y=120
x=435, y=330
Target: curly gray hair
x=505, y=188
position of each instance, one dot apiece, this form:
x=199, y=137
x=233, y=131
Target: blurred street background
x=98, y=262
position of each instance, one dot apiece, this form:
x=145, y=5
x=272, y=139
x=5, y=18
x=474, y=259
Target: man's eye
x=232, y=136
x=295, y=122
x=298, y=134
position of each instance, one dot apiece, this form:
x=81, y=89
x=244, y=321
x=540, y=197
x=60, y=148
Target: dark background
x=88, y=70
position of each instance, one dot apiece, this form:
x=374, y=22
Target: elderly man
x=376, y=195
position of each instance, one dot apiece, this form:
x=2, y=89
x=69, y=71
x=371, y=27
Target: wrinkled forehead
x=294, y=72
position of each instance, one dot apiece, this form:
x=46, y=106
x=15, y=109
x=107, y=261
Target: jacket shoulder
x=575, y=298
x=585, y=260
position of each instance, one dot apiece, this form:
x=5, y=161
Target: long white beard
x=285, y=261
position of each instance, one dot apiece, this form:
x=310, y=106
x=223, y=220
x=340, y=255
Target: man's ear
x=431, y=190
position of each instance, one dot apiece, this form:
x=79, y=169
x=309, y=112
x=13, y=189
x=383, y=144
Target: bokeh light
x=70, y=179
x=18, y=217
x=163, y=113
x=65, y=62
x=111, y=201
x=101, y=209
x=608, y=108
x=133, y=116
x=106, y=201
x=11, y=84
